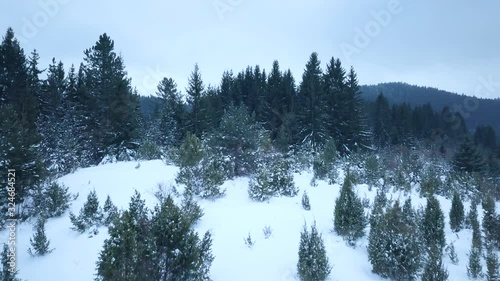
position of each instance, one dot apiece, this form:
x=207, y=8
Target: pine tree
x=492, y=266
x=433, y=226
x=40, y=243
x=56, y=200
x=468, y=158
x=112, y=102
x=456, y=213
x=474, y=267
x=238, y=137
x=171, y=113
x=401, y=258
x=434, y=269
x=476, y=228
x=179, y=252
x=305, y=202
x=110, y=212
x=490, y=223
x=382, y=122
x=261, y=188
x=452, y=254
x=313, y=264
x=349, y=216
x=7, y=272
x=313, y=120
x=19, y=140
x=195, y=92
x=324, y=162
x=90, y=214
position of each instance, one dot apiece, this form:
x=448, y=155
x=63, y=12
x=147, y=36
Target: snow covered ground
x=230, y=219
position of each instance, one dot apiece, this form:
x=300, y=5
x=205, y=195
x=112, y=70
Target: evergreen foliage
x=110, y=212
x=6, y=272
x=305, y=202
x=40, y=244
x=468, y=158
x=324, y=162
x=349, y=217
x=456, y=213
x=90, y=214
x=239, y=138
x=433, y=227
x=434, y=269
x=313, y=263
x=161, y=247
x=401, y=260
x=492, y=266
x=273, y=179
x=474, y=267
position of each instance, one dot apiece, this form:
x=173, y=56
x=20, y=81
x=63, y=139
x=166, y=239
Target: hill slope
x=230, y=219
x=476, y=111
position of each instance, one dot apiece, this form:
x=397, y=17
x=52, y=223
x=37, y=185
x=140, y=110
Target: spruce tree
x=112, y=101
x=468, y=158
x=452, y=254
x=110, y=212
x=19, y=107
x=474, y=267
x=40, y=243
x=313, y=263
x=180, y=254
x=434, y=269
x=195, y=92
x=401, y=257
x=305, y=202
x=490, y=223
x=239, y=138
x=433, y=226
x=171, y=113
x=90, y=214
x=349, y=216
x=456, y=213
x=313, y=120
x=492, y=266
x=56, y=200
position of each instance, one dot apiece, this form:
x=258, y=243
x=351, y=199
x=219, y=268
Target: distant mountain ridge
x=476, y=111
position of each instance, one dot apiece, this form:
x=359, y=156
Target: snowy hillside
x=230, y=220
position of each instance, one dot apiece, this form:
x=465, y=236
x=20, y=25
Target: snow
x=230, y=219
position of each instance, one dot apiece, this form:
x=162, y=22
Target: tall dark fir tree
x=112, y=101
x=312, y=118
x=19, y=107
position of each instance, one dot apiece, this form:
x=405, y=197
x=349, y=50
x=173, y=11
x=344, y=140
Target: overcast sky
x=451, y=45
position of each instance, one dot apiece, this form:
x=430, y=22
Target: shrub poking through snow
x=273, y=179
x=305, y=202
x=201, y=173
x=110, y=212
x=40, y=244
x=324, y=163
x=452, y=254
x=456, y=213
x=90, y=214
x=349, y=216
x=248, y=241
x=313, y=264
x=267, y=231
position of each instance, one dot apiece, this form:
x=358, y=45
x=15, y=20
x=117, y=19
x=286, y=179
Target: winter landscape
x=272, y=172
